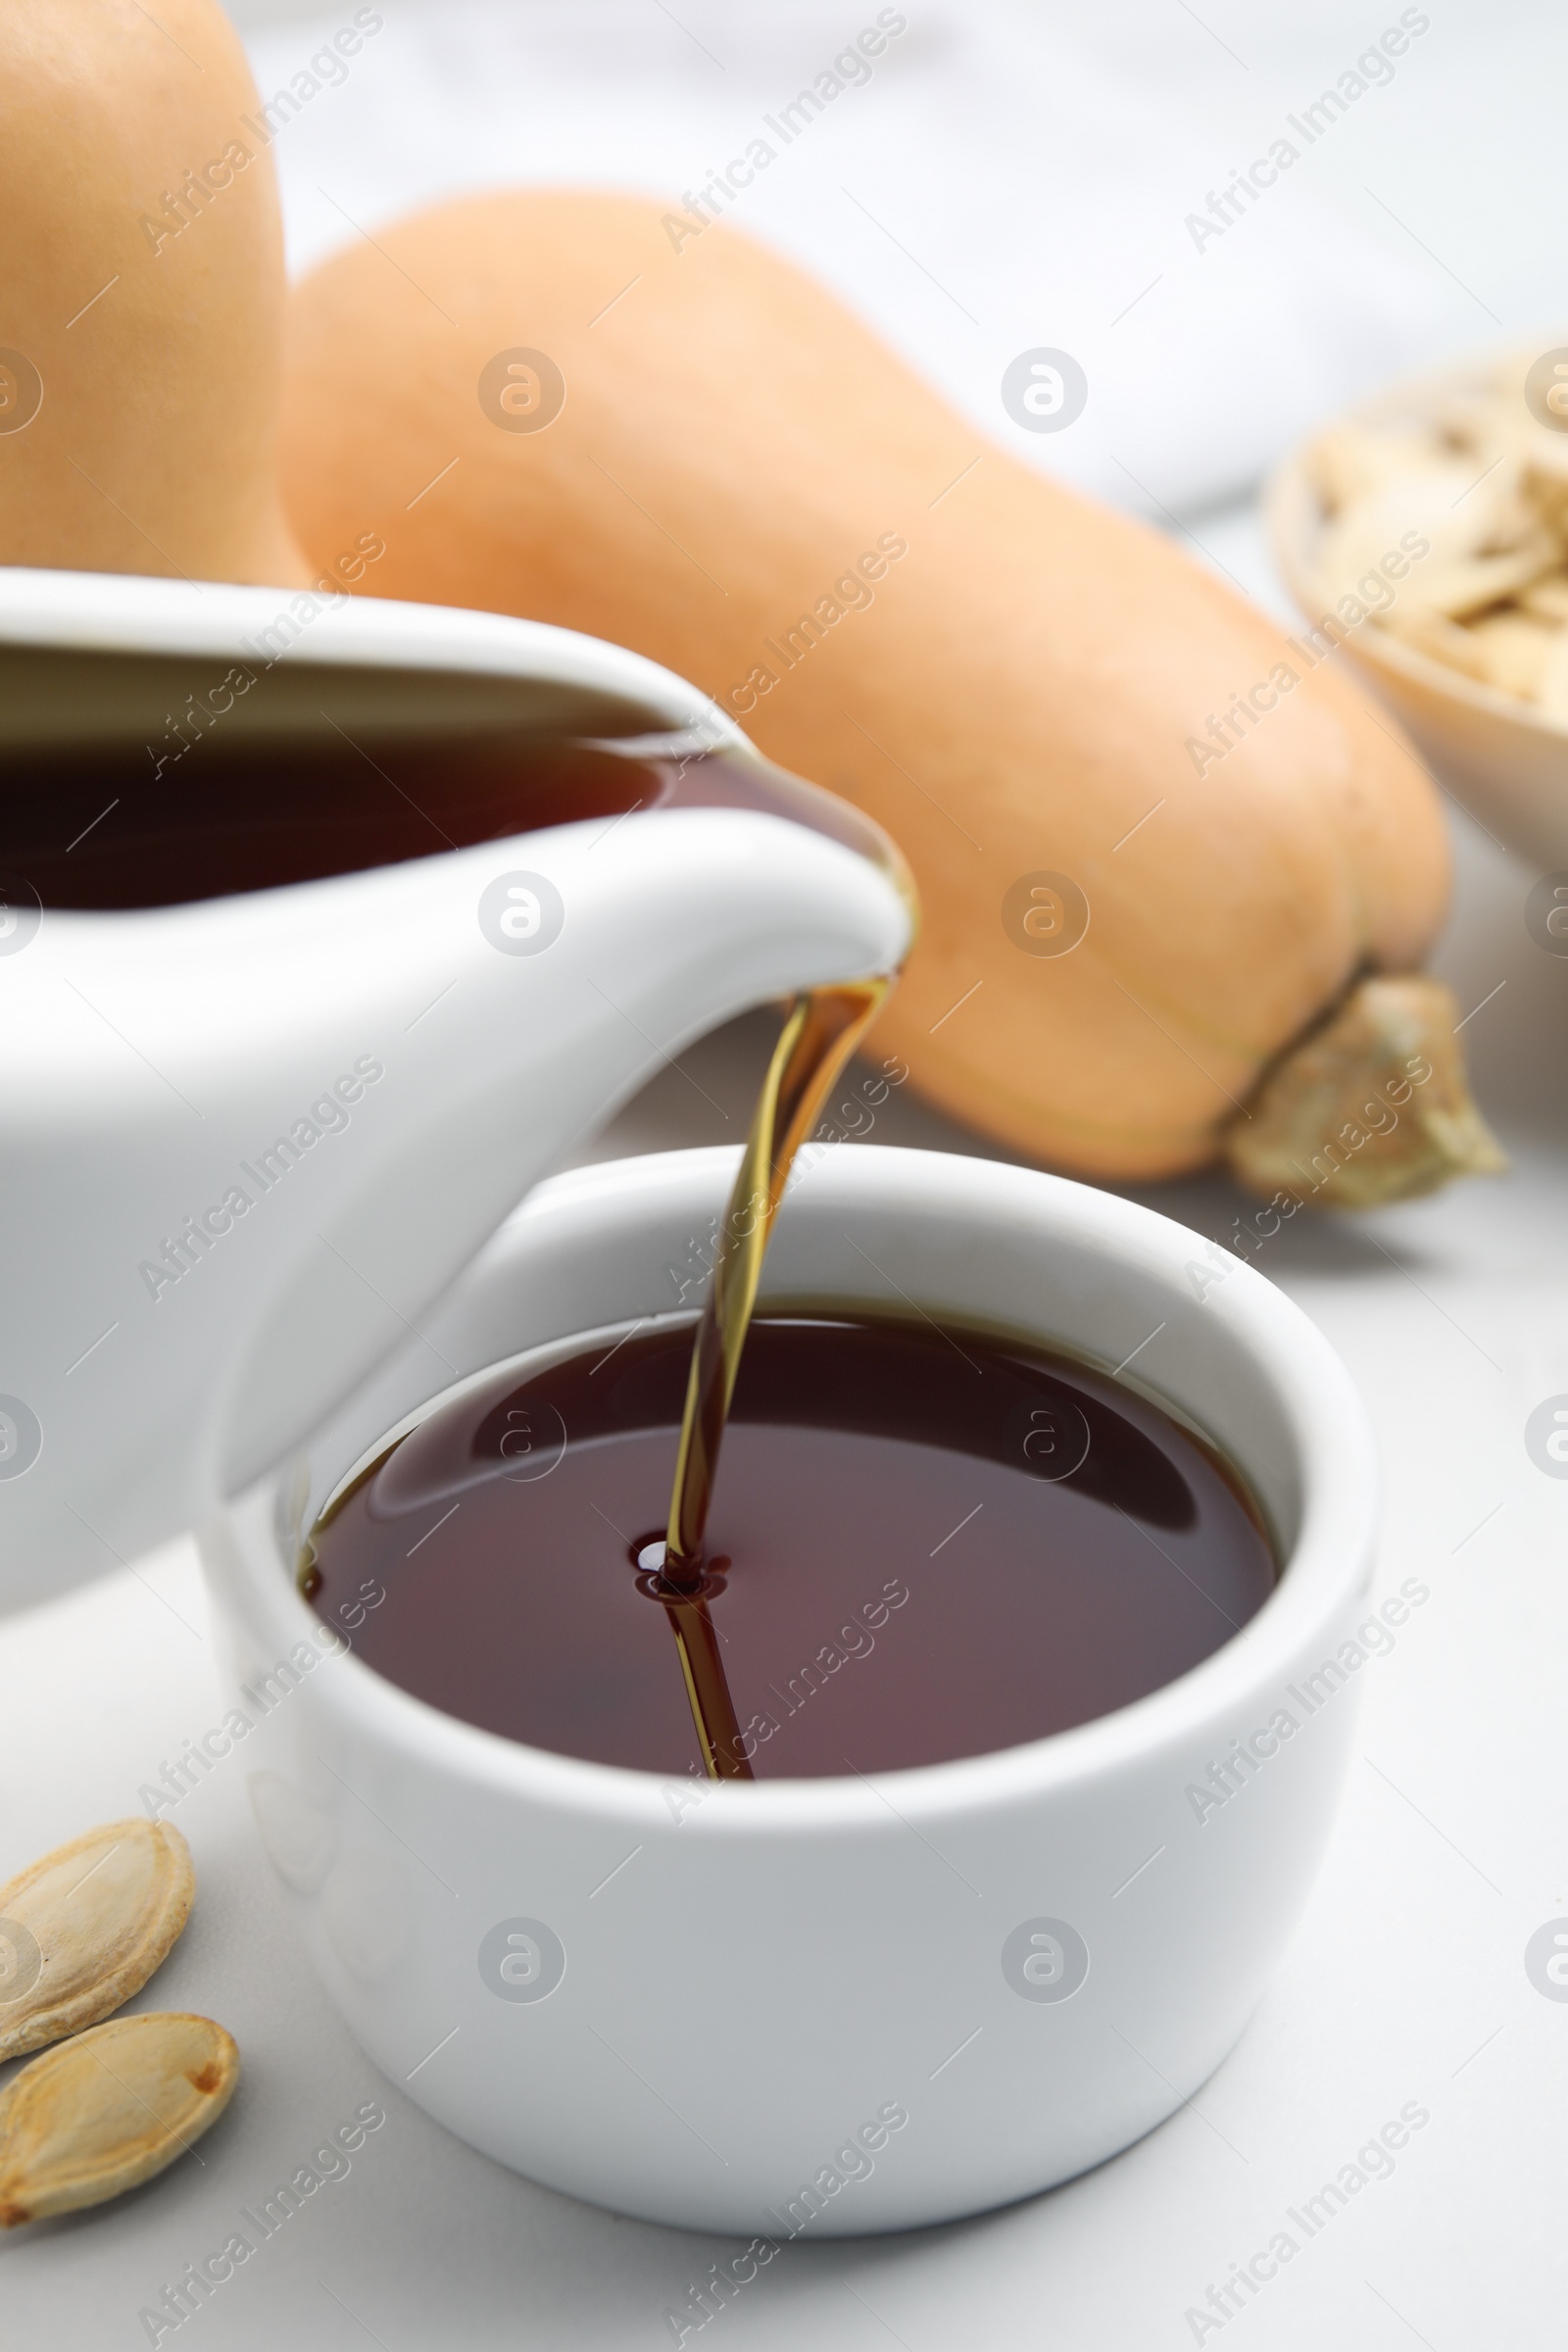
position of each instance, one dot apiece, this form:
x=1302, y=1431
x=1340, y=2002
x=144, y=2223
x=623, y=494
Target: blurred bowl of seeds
x=1425, y=533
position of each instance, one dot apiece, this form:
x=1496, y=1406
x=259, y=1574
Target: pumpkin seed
x=108, y=2110
x=84, y=1928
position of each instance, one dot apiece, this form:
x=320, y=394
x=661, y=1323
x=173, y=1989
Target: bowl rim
x=1328, y=1563
x=1285, y=495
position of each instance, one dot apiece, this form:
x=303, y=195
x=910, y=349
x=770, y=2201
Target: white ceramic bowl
x=1503, y=759
x=731, y=1995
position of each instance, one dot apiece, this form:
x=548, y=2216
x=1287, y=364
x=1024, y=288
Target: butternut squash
x=593, y=410
x=141, y=296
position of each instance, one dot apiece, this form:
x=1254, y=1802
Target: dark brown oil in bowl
x=923, y=1544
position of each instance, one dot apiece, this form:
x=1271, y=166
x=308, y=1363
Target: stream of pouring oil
x=820, y=1032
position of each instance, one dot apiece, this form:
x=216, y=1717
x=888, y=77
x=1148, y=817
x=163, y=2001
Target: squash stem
x=1371, y=1106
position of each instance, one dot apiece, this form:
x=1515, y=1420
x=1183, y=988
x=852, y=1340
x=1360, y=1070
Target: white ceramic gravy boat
x=248, y=1140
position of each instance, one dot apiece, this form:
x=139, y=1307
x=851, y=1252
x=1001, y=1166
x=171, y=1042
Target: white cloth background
x=1014, y=175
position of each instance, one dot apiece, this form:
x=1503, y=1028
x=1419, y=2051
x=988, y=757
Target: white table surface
x=1407, y=1981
